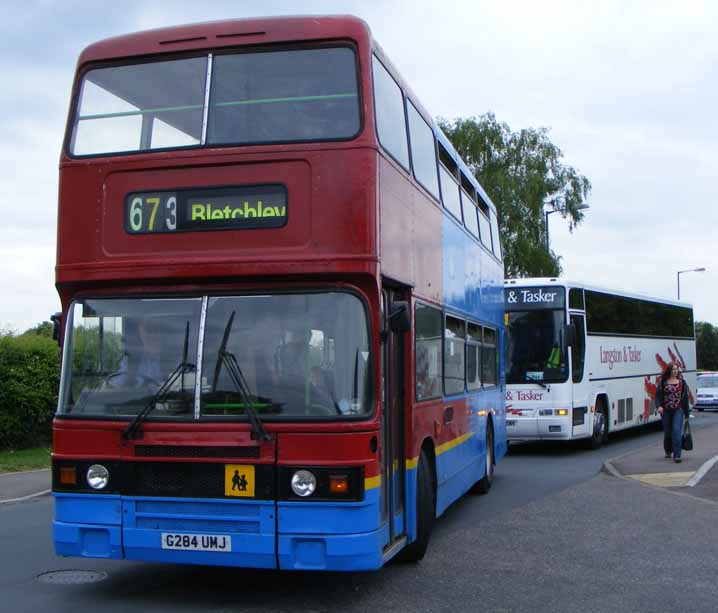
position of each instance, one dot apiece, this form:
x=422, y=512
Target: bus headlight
x=98, y=477
x=562, y=412
x=304, y=483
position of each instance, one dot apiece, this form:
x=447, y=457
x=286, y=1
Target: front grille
x=181, y=480
x=194, y=451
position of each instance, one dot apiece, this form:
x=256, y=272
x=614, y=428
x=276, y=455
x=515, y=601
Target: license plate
x=196, y=542
x=510, y=422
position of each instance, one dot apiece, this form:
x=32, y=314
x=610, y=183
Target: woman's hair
x=667, y=370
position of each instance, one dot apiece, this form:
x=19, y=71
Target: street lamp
x=580, y=207
x=678, y=277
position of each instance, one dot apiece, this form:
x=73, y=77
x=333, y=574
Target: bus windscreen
x=282, y=96
x=536, y=349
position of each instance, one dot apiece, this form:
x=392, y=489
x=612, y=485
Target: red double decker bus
x=282, y=304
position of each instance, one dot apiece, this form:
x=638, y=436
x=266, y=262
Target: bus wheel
x=484, y=485
x=600, y=432
x=425, y=511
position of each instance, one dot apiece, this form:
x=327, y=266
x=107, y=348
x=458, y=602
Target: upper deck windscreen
x=258, y=97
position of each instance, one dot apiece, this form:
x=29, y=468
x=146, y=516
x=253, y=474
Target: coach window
x=423, y=151
x=484, y=224
x=575, y=299
x=473, y=356
x=578, y=349
x=468, y=199
x=489, y=358
x=495, y=237
x=427, y=321
x=454, y=341
x=389, y=110
x=449, y=184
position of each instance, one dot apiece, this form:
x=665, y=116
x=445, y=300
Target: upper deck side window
x=389, y=112
x=423, y=151
x=468, y=200
x=298, y=95
x=495, y=237
x=484, y=224
x=448, y=172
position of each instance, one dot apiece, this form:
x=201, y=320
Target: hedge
x=29, y=380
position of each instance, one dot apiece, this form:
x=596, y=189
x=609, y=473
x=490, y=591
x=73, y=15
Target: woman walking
x=672, y=404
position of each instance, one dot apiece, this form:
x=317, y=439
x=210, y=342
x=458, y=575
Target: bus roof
x=536, y=281
x=226, y=33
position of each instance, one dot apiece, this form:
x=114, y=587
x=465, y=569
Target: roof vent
x=182, y=40
x=238, y=34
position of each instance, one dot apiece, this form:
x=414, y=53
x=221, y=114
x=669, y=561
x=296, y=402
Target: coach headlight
x=304, y=483
x=98, y=477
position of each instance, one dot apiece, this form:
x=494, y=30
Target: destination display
x=241, y=207
x=532, y=298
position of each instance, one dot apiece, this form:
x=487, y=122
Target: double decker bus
x=584, y=361
x=282, y=304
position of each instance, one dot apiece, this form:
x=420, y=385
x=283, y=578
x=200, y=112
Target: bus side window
x=428, y=322
x=578, y=351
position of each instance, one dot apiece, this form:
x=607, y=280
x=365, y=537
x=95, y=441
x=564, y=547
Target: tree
x=706, y=346
x=41, y=329
x=523, y=172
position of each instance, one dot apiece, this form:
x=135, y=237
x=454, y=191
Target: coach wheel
x=600, y=433
x=425, y=510
x=484, y=484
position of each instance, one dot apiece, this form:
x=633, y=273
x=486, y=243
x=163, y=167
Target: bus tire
x=425, y=510
x=600, y=430
x=483, y=485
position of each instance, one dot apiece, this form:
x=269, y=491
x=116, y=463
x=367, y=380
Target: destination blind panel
x=214, y=208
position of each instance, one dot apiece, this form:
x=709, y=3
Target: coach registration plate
x=197, y=542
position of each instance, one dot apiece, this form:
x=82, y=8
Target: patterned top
x=672, y=395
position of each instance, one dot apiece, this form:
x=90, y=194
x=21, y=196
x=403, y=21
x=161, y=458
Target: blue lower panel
x=348, y=552
x=87, y=540
x=88, y=526
x=331, y=535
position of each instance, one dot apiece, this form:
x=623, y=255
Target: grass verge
x=24, y=459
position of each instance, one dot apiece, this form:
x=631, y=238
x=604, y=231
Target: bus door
x=579, y=380
x=394, y=343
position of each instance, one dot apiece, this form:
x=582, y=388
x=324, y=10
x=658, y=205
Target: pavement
x=16, y=487
x=696, y=475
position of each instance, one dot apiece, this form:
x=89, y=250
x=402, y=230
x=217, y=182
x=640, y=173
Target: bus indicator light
x=68, y=475
x=338, y=484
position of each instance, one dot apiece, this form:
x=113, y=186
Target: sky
x=627, y=89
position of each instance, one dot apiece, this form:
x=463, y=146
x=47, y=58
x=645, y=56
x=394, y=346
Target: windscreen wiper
x=184, y=367
x=229, y=361
x=537, y=381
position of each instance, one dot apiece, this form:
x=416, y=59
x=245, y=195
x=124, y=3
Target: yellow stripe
x=372, y=482
x=412, y=463
x=453, y=443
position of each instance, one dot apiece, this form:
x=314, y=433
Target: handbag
x=687, y=438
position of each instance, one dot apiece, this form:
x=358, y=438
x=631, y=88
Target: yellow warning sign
x=239, y=480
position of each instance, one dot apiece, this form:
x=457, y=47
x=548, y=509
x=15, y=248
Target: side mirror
x=570, y=334
x=56, y=318
x=399, y=317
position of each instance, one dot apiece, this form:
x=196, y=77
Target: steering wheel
x=144, y=380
